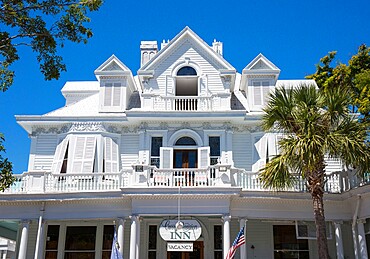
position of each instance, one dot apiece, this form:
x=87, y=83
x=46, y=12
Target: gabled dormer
x=187, y=74
x=116, y=85
x=258, y=79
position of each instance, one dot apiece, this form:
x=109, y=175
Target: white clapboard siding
x=83, y=154
x=260, y=154
x=110, y=155
x=129, y=150
x=59, y=156
x=166, y=157
x=44, y=151
x=203, y=157
x=196, y=55
x=242, y=150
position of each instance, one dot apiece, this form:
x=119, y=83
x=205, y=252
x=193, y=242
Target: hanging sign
x=180, y=246
x=189, y=231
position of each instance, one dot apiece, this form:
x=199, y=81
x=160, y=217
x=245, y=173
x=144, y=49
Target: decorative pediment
x=186, y=36
x=112, y=66
x=261, y=65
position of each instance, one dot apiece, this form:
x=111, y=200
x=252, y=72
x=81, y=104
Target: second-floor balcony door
x=186, y=158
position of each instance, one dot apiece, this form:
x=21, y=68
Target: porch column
x=339, y=240
x=138, y=237
x=24, y=239
x=120, y=234
x=226, y=234
x=362, y=238
x=40, y=234
x=40, y=240
x=243, y=248
x=134, y=222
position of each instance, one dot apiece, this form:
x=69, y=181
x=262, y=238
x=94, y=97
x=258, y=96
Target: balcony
x=151, y=177
x=217, y=102
x=186, y=103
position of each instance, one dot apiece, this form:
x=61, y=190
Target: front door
x=198, y=252
x=185, y=158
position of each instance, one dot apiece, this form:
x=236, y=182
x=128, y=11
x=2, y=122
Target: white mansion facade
x=178, y=142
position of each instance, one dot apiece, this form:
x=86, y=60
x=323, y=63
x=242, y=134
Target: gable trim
x=186, y=32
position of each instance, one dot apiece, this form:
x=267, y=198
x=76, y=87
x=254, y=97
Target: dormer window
x=261, y=89
x=113, y=95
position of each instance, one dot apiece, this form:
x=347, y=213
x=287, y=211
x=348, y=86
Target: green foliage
x=315, y=123
x=6, y=177
x=43, y=26
x=354, y=77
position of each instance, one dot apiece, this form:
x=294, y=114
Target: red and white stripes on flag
x=239, y=240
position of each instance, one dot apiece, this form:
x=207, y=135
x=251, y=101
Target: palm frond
x=276, y=175
x=278, y=110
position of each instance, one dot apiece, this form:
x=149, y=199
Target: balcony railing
x=185, y=103
x=151, y=177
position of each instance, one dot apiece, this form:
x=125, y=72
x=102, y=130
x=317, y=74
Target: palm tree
x=315, y=124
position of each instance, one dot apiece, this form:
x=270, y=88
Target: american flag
x=239, y=240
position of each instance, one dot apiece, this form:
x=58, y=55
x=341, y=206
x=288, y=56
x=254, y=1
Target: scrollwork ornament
x=87, y=127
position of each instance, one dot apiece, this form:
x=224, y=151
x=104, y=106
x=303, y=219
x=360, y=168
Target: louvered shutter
x=261, y=154
x=265, y=92
x=116, y=98
x=166, y=159
x=83, y=154
x=203, y=157
x=110, y=155
x=271, y=145
x=108, y=89
x=257, y=97
x=59, y=156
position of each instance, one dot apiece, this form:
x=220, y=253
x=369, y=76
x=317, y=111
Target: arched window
x=186, y=83
x=186, y=71
x=185, y=141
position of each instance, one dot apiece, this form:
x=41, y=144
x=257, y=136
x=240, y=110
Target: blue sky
x=294, y=35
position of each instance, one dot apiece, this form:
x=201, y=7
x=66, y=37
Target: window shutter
x=110, y=155
x=260, y=155
x=108, y=89
x=203, y=157
x=166, y=159
x=83, y=154
x=257, y=97
x=271, y=145
x=116, y=99
x=59, y=156
x=112, y=95
x=265, y=92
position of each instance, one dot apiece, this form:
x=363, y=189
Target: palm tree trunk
x=315, y=183
x=318, y=208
